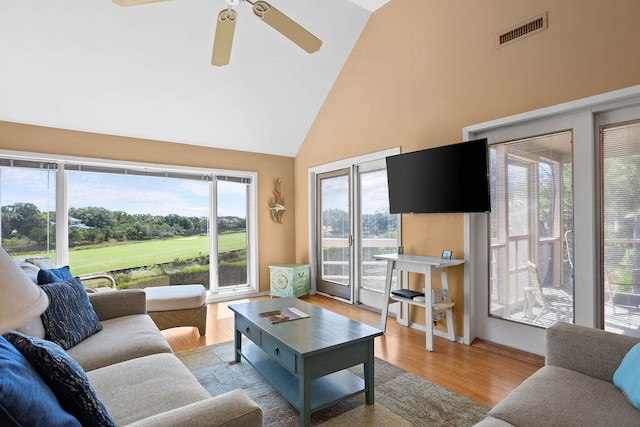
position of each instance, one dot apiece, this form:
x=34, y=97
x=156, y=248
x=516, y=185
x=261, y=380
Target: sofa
x=134, y=373
x=575, y=387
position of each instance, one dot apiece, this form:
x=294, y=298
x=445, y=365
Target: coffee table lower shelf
x=325, y=391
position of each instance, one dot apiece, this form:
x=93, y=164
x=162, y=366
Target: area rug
x=401, y=398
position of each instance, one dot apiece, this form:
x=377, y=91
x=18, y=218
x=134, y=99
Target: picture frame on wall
x=446, y=254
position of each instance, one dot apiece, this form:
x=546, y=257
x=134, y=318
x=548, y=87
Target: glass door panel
x=621, y=227
x=378, y=233
x=531, y=220
x=334, y=234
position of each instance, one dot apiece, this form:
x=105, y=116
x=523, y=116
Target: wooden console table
x=415, y=264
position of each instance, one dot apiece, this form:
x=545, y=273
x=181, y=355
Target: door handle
x=350, y=240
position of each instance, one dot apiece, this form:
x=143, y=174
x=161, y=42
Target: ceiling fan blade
x=135, y=2
x=223, y=41
x=287, y=26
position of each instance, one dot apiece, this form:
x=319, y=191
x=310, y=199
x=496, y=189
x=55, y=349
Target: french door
x=378, y=232
x=335, y=238
x=619, y=138
x=528, y=235
x=352, y=225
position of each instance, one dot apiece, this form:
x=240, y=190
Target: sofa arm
x=590, y=351
x=232, y=409
x=112, y=304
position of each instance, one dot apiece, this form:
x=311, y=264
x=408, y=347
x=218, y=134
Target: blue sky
x=160, y=196
x=131, y=194
x=373, y=188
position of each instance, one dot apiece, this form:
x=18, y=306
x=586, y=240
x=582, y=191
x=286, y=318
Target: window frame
x=155, y=169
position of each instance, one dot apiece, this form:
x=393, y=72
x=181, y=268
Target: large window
x=531, y=269
x=146, y=225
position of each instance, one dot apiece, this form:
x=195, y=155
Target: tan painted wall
x=275, y=241
x=424, y=69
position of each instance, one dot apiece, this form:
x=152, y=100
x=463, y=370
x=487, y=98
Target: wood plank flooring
x=481, y=373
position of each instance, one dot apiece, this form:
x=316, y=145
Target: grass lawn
x=128, y=255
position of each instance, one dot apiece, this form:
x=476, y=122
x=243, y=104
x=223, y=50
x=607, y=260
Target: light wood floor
x=478, y=372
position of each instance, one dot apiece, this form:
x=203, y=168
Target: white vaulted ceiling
x=144, y=71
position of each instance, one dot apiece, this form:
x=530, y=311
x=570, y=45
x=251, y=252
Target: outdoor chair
x=551, y=299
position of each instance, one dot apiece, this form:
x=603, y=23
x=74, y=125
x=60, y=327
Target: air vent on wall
x=520, y=31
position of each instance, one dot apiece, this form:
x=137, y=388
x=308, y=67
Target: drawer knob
x=276, y=351
x=247, y=330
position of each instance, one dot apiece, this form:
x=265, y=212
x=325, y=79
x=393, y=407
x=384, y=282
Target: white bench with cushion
x=178, y=305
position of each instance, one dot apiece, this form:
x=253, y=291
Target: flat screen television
x=451, y=178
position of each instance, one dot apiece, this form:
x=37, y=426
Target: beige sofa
x=139, y=380
x=575, y=387
x=137, y=377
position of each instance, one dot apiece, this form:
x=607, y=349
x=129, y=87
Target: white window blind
x=620, y=148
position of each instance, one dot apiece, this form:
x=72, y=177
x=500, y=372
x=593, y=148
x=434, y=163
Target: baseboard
x=534, y=359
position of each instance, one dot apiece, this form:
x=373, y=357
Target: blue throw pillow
x=70, y=317
x=25, y=400
x=65, y=378
x=53, y=275
x=627, y=376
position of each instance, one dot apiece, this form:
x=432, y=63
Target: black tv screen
x=451, y=178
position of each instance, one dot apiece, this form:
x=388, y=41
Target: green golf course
x=147, y=253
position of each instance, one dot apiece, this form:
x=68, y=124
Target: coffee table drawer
x=248, y=329
x=280, y=352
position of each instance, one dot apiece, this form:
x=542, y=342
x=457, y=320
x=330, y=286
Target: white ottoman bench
x=179, y=305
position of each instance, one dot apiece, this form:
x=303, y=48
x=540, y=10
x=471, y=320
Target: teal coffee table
x=306, y=359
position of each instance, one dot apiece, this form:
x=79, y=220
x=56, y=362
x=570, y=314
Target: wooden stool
x=179, y=305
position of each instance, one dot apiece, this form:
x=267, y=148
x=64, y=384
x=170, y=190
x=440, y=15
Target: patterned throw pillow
x=41, y=262
x=70, y=317
x=53, y=275
x=65, y=378
x=25, y=399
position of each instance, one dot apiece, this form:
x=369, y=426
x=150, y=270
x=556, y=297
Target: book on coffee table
x=284, y=315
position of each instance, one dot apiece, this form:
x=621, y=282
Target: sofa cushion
x=25, y=399
x=231, y=409
x=555, y=396
x=33, y=328
x=121, y=338
x=29, y=269
x=627, y=376
x=146, y=386
x=70, y=318
x=53, y=275
x=178, y=297
x=65, y=378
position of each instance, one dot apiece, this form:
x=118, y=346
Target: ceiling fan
x=227, y=24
